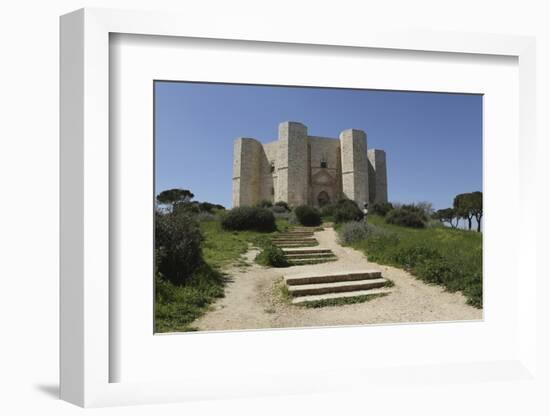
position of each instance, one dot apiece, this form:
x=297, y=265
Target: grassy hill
x=439, y=255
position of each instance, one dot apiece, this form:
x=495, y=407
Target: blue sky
x=433, y=141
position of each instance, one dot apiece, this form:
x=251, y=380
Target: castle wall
x=292, y=172
x=353, y=147
x=247, y=155
x=327, y=179
x=378, y=182
x=268, y=179
x=298, y=176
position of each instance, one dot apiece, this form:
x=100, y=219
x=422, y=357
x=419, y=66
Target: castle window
x=272, y=167
x=323, y=161
x=272, y=191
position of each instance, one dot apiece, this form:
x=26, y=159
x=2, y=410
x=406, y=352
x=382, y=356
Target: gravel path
x=252, y=299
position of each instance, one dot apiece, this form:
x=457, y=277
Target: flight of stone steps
x=309, y=287
x=300, y=247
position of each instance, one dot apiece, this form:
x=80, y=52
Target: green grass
x=176, y=307
x=222, y=247
x=439, y=255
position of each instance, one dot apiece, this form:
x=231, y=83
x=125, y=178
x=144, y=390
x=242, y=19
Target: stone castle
x=308, y=170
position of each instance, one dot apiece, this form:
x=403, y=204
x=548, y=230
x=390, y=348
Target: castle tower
x=293, y=166
x=353, y=147
x=247, y=154
x=378, y=181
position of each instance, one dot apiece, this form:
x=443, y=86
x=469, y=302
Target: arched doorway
x=323, y=199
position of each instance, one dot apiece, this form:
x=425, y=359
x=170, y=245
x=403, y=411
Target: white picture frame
x=85, y=353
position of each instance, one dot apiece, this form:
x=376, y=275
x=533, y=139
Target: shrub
x=186, y=207
x=380, y=208
x=282, y=204
x=307, y=216
x=328, y=210
x=435, y=270
x=353, y=232
x=264, y=204
x=272, y=256
x=356, y=231
x=205, y=216
x=343, y=211
x=347, y=210
x=278, y=209
x=407, y=216
x=208, y=207
x=283, y=215
x=249, y=218
x=178, y=246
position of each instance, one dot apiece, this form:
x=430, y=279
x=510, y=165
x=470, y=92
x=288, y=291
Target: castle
x=308, y=170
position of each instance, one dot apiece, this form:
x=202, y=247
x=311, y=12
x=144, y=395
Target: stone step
x=306, y=250
x=308, y=255
x=312, y=260
x=296, y=245
x=339, y=295
x=335, y=287
x=301, y=235
x=307, y=278
x=293, y=240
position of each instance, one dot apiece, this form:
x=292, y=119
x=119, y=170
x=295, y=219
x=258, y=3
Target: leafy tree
x=381, y=208
x=477, y=204
x=463, y=206
x=173, y=197
x=448, y=215
x=408, y=215
x=469, y=206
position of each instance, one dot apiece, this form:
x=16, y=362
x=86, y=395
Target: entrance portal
x=323, y=198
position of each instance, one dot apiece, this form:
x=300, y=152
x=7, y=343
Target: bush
x=307, y=216
x=264, y=204
x=178, y=246
x=407, y=216
x=272, y=256
x=249, y=218
x=436, y=270
x=282, y=204
x=186, y=207
x=328, y=210
x=352, y=232
x=208, y=207
x=205, y=216
x=277, y=209
x=356, y=231
x=380, y=208
x=347, y=210
x=283, y=215
x=342, y=211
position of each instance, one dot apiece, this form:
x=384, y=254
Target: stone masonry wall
x=298, y=177
x=246, y=171
x=378, y=183
x=353, y=145
x=292, y=172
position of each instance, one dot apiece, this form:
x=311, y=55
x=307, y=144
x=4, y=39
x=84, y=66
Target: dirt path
x=252, y=300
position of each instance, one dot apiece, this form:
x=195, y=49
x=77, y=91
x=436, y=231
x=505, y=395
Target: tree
x=447, y=215
x=173, y=197
x=469, y=206
x=477, y=207
x=463, y=206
